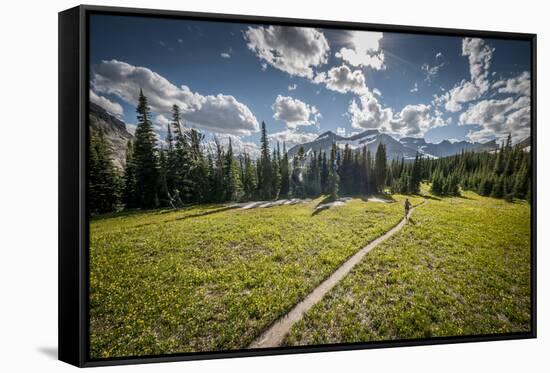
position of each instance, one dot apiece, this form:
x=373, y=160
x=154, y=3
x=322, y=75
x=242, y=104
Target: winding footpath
x=274, y=335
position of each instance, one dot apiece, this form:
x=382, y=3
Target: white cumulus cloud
x=222, y=113
x=479, y=60
x=294, y=112
x=518, y=85
x=465, y=91
x=367, y=113
x=292, y=137
x=415, y=120
x=498, y=118
x=295, y=50
x=112, y=107
x=342, y=79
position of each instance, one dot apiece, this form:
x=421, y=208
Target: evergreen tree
x=452, y=185
x=389, y=177
x=197, y=175
x=164, y=194
x=312, y=183
x=276, y=171
x=217, y=174
x=250, y=181
x=211, y=194
x=324, y=173
x=380, y=166
x=371, y=177
x=509, y=157
x=103, y=180
x=522, y=181
x=333, y=178
x=499, y=162
x=129, y=179
x=232, y=180
x=265, y=168
x=437, y=183
x=285, y=174
x=416, y=175
x=498, y=187
x=363, y=172
x=486, y=185
x=171, y=165
x=183, y=186
x=145, y=157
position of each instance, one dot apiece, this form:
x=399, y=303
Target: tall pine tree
x=265, y=168
x=380, y=167
x=285, y=174
x=232, y=179
x=145, y=157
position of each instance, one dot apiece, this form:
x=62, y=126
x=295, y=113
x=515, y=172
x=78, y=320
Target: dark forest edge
x=185, y=172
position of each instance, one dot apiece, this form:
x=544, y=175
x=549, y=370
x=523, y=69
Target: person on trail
x=407, y=208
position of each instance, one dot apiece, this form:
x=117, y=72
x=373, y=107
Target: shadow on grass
x=427, y=196
x=318, y=210
x=386, y=197
x=123, y=213
x=325, y=201
x=204, y=213
x=185, y=217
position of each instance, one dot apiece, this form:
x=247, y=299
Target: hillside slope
x=115, y=132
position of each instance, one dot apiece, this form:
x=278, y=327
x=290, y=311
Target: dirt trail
x=273, y=337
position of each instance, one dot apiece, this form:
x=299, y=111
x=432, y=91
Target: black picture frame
x=73, y=214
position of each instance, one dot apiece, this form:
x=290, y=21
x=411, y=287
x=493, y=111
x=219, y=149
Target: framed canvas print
x=236, y=186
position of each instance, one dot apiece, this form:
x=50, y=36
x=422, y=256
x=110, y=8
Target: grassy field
x=461, y=267
x=207, y=278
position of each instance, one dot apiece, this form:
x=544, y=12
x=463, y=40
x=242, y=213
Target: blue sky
x=228, y=77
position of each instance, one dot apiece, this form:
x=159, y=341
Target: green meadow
x=461, y=267
x=208, y=278
x=211, y=278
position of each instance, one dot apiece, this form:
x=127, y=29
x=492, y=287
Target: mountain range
x=114, y=130
x=117, y=136
x=406, y=147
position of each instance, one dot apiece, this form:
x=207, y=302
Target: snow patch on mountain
x=405, y=148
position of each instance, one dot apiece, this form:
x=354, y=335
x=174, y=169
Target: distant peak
x=364, y=134
x=370, y=132
x=413, y=140
x=327, y=133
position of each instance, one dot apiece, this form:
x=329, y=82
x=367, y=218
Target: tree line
x=185, y=171
x=504, y=173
